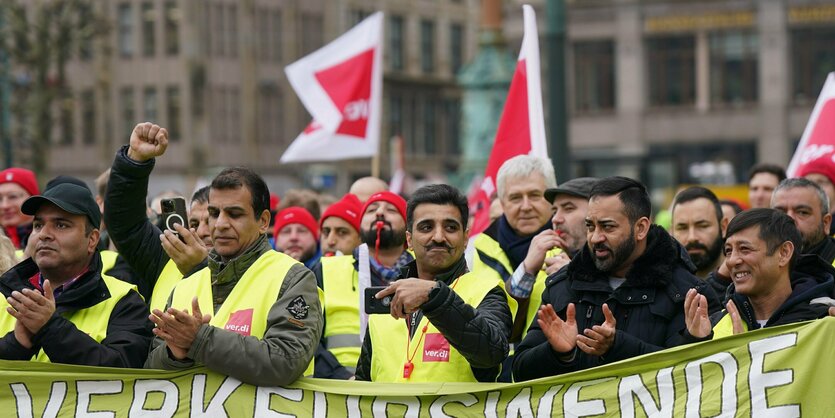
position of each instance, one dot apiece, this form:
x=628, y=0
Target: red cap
x=296, y=215
x=820, y=166
x=347, y=208
x=23, y=177
x=389, y=197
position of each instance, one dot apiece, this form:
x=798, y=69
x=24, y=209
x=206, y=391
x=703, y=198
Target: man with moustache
x=458, y=323
x=628, y=269
x=699, y=225
x=340, y=227
x=807, y=204
x=379, y=259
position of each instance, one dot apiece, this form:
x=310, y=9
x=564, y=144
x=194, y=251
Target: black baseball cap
x=579, y=187
x=70, y=197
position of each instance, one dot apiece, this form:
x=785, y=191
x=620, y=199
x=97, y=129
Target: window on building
x=275, y=36
x=173, y=108
x=456, y=47
x=396, y=43
x=125, y=36
x=150, y=104
x=219, y=34
x=128, y=106
x=427, y=46
x=357, y=16
x=67, y=121
x=672, y=74
x=311, y=38
x=85, y=45
x=88, y=116
x=430, y=127
x=813, y=57
x=270, y=115
x=262, y=39
x=733, y=67
x=594, y=75
x=232, y=39
x=172, y=28
x=149, y=36
x=395, y=115
x=452, y=114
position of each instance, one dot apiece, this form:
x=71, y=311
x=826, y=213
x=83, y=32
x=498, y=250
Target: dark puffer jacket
x=648, y=307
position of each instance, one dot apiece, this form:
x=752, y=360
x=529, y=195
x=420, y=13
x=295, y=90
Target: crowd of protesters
x=372, y=286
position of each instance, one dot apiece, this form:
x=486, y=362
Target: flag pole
x=375, y=165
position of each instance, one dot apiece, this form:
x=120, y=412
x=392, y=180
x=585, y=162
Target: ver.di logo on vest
x=240, y=322
x=435, y=348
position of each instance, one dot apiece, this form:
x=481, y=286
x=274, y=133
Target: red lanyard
x=408, y=366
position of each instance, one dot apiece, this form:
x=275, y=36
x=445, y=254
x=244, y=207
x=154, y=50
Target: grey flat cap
x=579, y=187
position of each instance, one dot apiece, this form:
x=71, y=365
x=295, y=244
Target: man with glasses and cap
x=59, y=307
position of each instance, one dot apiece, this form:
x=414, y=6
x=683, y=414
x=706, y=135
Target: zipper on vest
x=589, y=312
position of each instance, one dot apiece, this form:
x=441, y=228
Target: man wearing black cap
x=59, y=306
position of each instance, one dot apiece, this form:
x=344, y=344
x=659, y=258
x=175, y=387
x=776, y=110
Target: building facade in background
x=667, y=91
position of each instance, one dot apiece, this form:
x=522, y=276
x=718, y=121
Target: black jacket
x=811, y=278
x=824, y=249
x=136, y=238
x=648, y=307
x=480, y=334
x=128, y=330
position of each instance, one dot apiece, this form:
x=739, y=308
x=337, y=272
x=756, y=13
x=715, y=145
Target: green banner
x=781, y=372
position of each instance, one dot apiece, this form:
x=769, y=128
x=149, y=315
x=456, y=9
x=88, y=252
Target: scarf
x=515, y=246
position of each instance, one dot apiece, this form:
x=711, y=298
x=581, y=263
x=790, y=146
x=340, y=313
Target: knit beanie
x=389, y=197
x=296, y=215
x=347, y=208
x=23, y=177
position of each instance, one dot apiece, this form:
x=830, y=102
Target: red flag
x=817, y=145
x=341, y=86
x=521, y=128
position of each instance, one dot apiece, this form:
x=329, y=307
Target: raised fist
x=147, y=141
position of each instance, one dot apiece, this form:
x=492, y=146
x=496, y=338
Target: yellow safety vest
x=168, y=278
x=93, y=320
x=108, y=260
x=500, y=264
x=434, y=359
x=725, y=327
x=246, y=308
x=342, y=314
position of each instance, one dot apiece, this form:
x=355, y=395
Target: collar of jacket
x=89, y=290
x=654, y=268
x=811, y=277
x=824, y=249
x=233, y=269
x=458, y=269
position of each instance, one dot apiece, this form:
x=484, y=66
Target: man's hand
x=540, y=244
x=186, y=253
x=562, y=335
x=599, y=339
x=147, y=141
x=555, y=263
x=736, y=320
x=409, y=294
x=832, y=311
x=22, y=335
x=31, y=308
x=695, y=314
x=179, y=328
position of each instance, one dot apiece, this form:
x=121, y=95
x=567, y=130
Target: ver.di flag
x=341, y=86
x=817, y=145
x=522, y=126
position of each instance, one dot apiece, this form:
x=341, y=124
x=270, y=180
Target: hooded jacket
x=811, y=278
x=648, y=307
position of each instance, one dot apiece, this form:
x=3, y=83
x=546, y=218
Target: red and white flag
x=817, y=145
x=341, y=86
x=522, y=125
